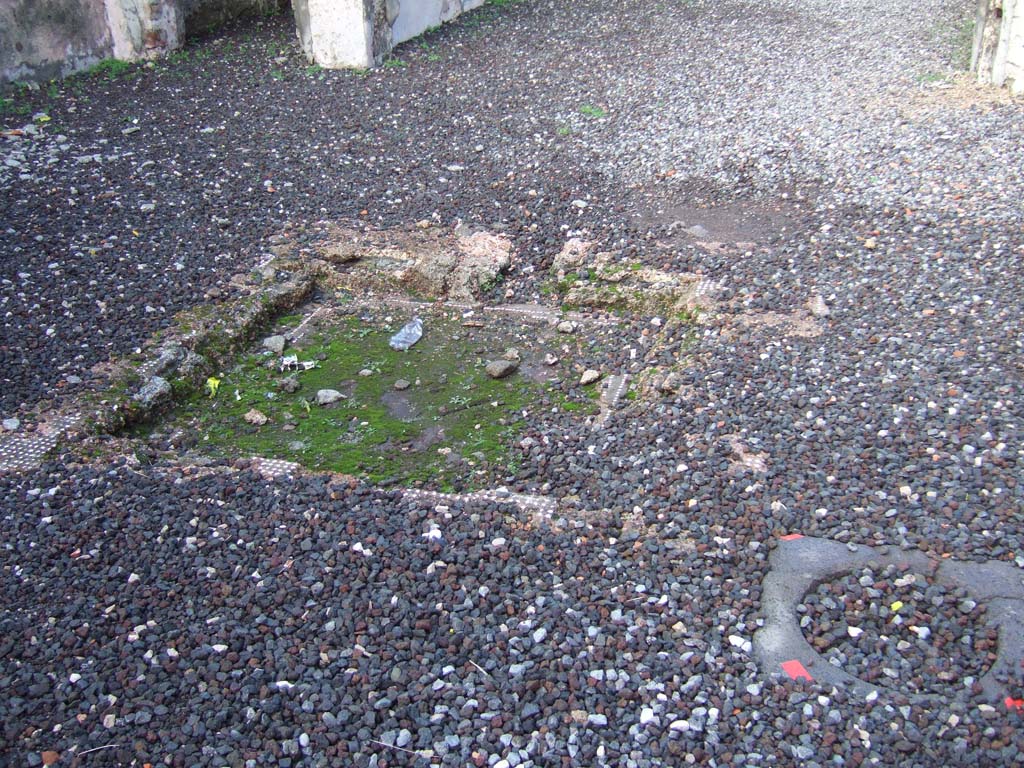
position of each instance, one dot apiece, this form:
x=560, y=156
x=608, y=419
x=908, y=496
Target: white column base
x=336, y=34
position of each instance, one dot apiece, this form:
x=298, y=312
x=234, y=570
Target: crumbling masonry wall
x=43, y=39
x=998, y=53
x=46, y=39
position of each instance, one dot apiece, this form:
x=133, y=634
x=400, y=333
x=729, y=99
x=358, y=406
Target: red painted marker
x=1012, y=703
x=792, y=536
x=796, y=670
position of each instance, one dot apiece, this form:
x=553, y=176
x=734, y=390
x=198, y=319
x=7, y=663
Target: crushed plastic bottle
x=292, y=363
x=411, y=333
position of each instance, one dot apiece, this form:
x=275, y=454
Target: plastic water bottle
x=411, y=333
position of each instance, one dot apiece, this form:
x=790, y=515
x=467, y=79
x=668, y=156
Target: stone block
x=336, y=34
x=997, y=56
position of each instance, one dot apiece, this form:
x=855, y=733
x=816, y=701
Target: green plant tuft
x=111, y=69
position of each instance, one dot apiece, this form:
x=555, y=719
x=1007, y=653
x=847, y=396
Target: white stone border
x=25, y=451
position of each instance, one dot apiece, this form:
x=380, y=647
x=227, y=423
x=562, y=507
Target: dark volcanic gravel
x=196, y=617
x=855, y=213
x=899, y=629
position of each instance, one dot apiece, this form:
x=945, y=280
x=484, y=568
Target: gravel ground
x=899, y=629
x=213, y=617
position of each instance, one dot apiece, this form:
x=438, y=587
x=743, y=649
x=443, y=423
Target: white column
x=335, y=33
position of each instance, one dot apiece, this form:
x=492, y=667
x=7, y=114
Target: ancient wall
x=998, y=54
x=50, y=38
x=44, y=39
x=361, y=33
x=410, y=18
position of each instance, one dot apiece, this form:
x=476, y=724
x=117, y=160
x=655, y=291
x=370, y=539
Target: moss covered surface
x=453, y=428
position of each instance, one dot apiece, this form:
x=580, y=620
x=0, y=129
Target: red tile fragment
x=792, y=536
x=1014, y=704
x=795, y=670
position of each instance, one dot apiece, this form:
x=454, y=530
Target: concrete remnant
x=801, y=562
x=800, y=322
x=599, y=280
x=430, y=262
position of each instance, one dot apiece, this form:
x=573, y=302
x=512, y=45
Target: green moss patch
x=453, y=427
